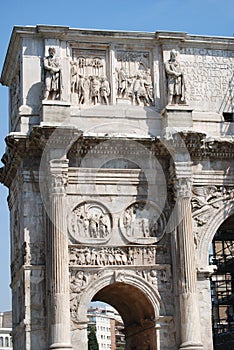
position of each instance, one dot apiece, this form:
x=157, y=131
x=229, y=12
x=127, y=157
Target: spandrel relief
x=142, y=222
x=88, y=77
x=134, y=78
x=89, y=222
x=206, y=201
x=78, y=282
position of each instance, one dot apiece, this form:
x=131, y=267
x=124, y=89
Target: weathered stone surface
x=119, y=168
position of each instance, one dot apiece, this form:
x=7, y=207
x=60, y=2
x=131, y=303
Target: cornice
x=199, y=145
x=217, y=148
x=16, y=147
x=214, y=42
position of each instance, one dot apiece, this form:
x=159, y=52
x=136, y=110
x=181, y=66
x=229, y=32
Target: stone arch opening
x=222, y=285
x=136, y=311
x=215, y=221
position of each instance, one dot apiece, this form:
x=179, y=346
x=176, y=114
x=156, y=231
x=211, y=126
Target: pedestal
x=177, y=116
x=55, y=111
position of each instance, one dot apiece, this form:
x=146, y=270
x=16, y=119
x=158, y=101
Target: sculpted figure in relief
x=149, y=87
x=73, y=76
x=53, y=76
x=175, y=80
x=122, y=82
x=78, y=282
x=104, y=90
x=139, y=90
x=93, y=226
x=82, y=89
x=94, y=89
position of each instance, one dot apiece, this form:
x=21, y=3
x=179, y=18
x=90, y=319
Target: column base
x=60, y=346
x=191, y=346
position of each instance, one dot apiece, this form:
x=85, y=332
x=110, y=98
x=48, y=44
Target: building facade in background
x=108, y=326
x=6, y=330
x=119, y=164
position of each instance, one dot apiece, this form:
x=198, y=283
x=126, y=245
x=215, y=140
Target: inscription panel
x=209, y=78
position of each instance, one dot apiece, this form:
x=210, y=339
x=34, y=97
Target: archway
x=215, y=221
x=222, y=285
x=137, y=301
x=136, y=311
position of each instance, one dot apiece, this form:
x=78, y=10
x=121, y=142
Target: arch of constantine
x=119, y=164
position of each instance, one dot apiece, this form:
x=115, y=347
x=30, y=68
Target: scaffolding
x=222, y=289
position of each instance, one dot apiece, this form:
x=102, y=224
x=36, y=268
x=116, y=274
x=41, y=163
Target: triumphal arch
x=119, y=168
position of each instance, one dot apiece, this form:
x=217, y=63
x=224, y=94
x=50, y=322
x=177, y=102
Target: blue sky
x=205, y=17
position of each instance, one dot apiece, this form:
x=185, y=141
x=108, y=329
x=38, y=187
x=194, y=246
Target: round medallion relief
x=90, y=222
x=143, y=222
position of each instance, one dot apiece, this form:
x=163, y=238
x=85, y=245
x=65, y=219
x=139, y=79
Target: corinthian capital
x=183, y=187
x=58, y=173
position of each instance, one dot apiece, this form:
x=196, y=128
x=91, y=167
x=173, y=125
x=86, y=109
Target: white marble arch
x=215, y=221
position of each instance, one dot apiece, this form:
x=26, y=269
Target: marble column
x=189, y=311
x=60, y=337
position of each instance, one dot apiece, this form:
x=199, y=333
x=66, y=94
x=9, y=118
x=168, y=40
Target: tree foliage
x=92, y=340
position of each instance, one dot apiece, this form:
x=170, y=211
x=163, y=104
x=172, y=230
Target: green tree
x=92, y=340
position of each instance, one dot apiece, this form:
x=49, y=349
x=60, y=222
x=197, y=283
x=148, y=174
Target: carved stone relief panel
x=209, y=83
x=89, y=222
x=143, y=223
x=160, y=277
x=206, y=201
x=112, y=256
x=134, y=77
x=78, y=282
x=89, y=82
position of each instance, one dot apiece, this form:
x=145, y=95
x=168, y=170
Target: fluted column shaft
x=59, y=272
x=190, y=323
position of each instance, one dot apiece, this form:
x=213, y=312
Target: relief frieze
x=112, y=256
